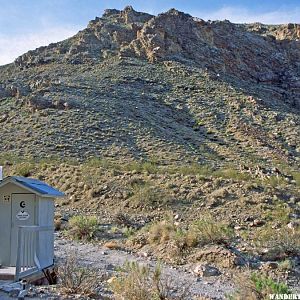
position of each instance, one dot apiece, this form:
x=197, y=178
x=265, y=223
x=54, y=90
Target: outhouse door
x=22, y=214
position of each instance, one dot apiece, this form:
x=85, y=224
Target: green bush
x=266, y=286
x=255, y=286
x=82, y=227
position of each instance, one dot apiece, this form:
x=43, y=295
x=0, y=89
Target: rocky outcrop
x=102, y=38
x=289, y=31
x=255, y=53
x=220, y=46
x=13, y=90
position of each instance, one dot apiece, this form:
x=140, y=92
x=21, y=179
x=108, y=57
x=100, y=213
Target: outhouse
x=26, y=225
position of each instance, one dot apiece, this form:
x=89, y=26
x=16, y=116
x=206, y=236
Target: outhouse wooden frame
x=28, y=247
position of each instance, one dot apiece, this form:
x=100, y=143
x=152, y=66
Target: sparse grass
x=296, y=176
x=274, y=181
x=286, y=265
x=210, y=231
x=279, y=213
x=100, y=162
x=140, y=167
x=191, y=169
x=25, y=169
x=281, y=243
x=204, y=231
x=83, y=227
x=10, y=158
x=150, y=166
x=148, y=195
x=140, y=282
x=76, y=279
x=230, y=173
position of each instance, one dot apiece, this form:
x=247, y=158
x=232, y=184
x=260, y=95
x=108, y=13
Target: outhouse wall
x=5, y=221
x=45, y=217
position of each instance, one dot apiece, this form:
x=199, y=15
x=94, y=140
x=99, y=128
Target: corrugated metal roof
x=38, y=186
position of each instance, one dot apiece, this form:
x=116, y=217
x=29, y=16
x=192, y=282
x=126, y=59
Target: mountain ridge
x=210, y=80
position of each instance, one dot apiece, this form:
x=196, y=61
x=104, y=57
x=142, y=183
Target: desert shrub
x=76, y=279
x=280, y=243
x=258, y=287
x=139, y=282
x=129, y=231
x=266, y=285
x=209, y=231
x=160, y=232
x=286, y=265
x=25, y=169
x=166, y=232
x=147, y=195
x=83, y=227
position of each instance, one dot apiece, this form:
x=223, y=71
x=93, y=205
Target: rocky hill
x=163, y=89
x=171, y=85
x=152, y=123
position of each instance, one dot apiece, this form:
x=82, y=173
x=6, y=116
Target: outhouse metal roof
x=35, y=185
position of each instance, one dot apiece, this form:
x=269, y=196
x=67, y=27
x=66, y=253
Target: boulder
x=206, y=270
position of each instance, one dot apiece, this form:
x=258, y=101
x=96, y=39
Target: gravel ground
x=106, y=260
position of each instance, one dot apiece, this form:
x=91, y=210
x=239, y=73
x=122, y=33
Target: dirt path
x=107, y=260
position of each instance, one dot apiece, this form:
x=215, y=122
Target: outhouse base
x=7, y=273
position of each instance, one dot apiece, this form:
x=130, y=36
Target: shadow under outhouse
x=26, y=226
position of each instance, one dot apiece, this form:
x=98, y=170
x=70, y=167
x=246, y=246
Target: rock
x=219, y=256
x=270, y=265
x=4, y=93
x=293, y=225
x=257, y=223
x=4, y=117
x=111, y=280
x=206, y=270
